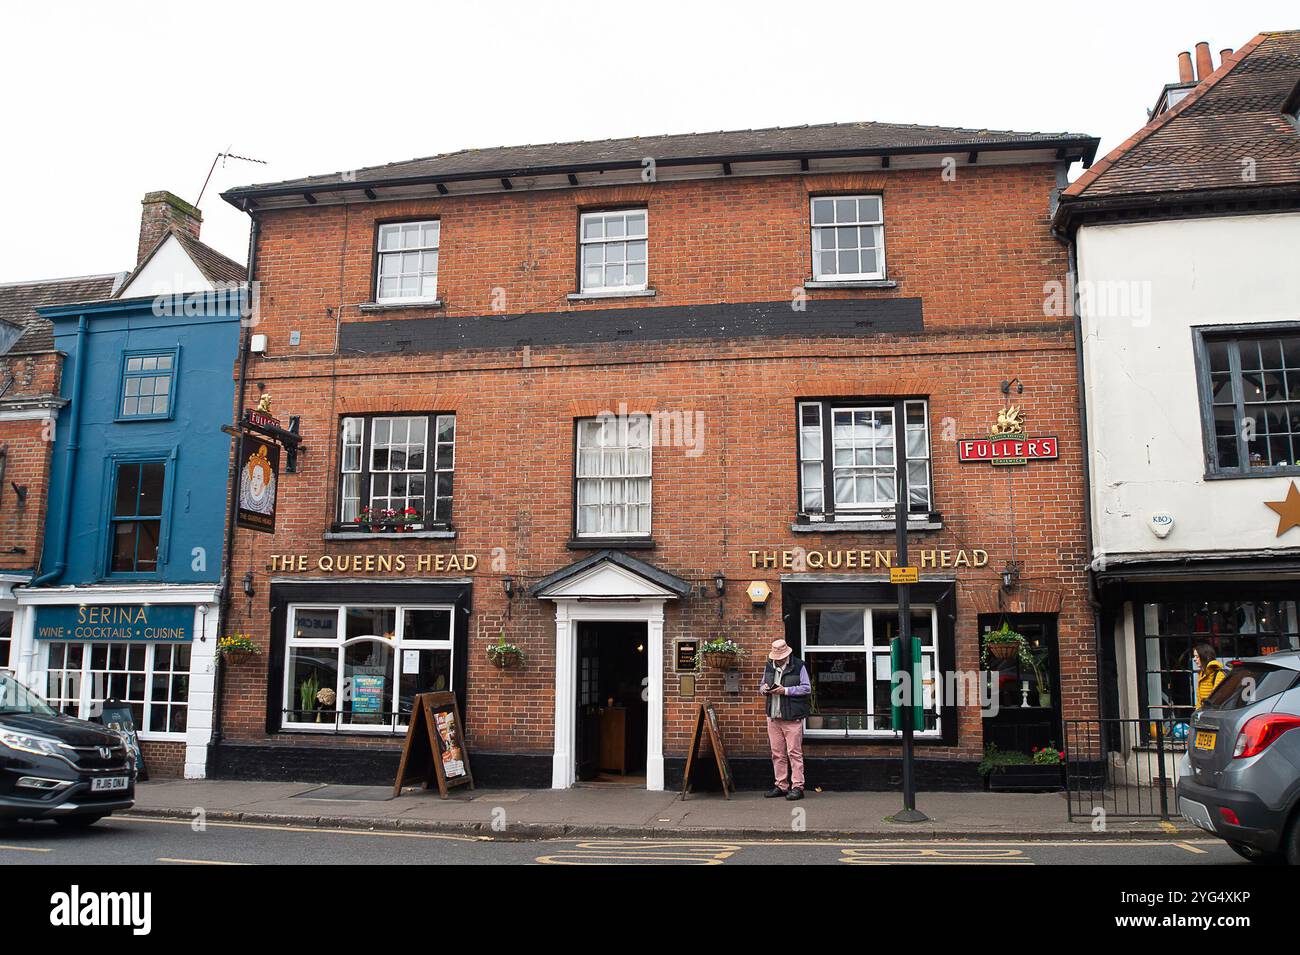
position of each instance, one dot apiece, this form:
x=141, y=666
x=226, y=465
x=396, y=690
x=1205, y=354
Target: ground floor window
x=359, y=667
x=846, y=650
x=1251, y=624
x=153, y=678
x=6, y=636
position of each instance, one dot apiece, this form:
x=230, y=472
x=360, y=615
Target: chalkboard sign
x=116, y=715
x=706, y=721
x=435, y=750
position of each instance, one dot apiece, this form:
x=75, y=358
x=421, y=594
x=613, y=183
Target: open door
x=587, y=738
x=1029, y=692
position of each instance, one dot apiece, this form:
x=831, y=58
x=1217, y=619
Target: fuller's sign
x=1007, y=442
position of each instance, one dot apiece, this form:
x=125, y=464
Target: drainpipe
x=227, y=556
x=60, y=542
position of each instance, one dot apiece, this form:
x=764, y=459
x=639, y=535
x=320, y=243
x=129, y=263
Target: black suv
x=55, y=767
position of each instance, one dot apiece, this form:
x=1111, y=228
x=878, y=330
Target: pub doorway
x=612, y=710
x=1028, y=687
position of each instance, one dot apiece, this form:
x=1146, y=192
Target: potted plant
x=814, y=720
x=506, y=656
x=236, y=647
x=721, y=654
x=1005, y=644
x=307, y=691
x=1012, y=771
x=325, y=696
x=409, y=520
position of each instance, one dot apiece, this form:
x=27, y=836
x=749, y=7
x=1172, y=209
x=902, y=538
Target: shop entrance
x=612, y=714
x=1028, y=687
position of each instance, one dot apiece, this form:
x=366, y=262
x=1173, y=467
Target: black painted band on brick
x=838, y=318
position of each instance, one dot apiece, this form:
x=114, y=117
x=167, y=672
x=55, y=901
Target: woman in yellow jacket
x=1211, y=673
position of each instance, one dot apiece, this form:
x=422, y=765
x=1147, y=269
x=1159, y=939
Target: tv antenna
x=221, y=157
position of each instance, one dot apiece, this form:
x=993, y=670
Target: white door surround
x=607, y=589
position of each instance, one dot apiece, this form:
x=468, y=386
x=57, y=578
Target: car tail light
x=1260, y=731
x=1228, y=816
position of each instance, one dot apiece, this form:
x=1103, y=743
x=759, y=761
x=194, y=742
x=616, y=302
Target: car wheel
x=77, y=822
x=1251, y=854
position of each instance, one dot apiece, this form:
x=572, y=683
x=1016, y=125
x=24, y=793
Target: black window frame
x=828, y=405
x=136, y=518
x=1234, y=335
x=431, y=470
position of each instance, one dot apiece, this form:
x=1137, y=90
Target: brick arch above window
x=631, y=194
x=845, y=182
x=592, y=407
x=391, y=404
x=855, y=387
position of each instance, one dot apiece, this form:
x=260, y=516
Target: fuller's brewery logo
x=1007, y=442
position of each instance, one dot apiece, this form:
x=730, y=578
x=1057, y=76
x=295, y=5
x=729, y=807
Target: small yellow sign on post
x=904, y=575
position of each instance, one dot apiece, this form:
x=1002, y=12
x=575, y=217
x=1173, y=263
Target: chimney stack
x=1225, y=55
x=1185, y=74
x=1204, y=61
x=164, y=212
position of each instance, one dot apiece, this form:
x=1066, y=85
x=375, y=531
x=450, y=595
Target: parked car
x=56, y=767
x=1243, y=758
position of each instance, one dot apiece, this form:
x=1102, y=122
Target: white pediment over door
x=606, y=580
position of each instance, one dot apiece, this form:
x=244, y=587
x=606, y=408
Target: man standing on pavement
x=785, y=689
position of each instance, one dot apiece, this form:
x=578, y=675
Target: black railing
x=1128, y=768
x=345, y=721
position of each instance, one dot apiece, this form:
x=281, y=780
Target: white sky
x=105, y=101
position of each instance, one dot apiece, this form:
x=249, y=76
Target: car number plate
x=1205, y=739
x=109, y=784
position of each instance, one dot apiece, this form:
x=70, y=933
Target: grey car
x=1243, y=757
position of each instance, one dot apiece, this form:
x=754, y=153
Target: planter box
x=1026, y=779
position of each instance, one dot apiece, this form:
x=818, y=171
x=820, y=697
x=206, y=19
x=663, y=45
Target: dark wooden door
x=587, y=742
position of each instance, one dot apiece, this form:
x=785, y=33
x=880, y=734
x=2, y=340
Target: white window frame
x=85, y=677
x=420, y=250
x=812, y=460
x=878, y=225
x=341, y=643
x=605, y=240
x=929, y=655
x=602, y=479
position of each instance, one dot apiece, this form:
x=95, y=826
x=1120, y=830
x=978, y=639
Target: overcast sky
x=105, y=101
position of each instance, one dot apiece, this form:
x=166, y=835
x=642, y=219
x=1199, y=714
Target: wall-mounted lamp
x=720, y=585
x=1014, y=382
x=508, y=585
x=1010, y=576
x=248, y=584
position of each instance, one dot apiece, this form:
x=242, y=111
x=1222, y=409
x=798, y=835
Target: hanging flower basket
x=236, y=648
x=1006, y=644
x=1003, y=651
x=505, y=656
x=721, y=654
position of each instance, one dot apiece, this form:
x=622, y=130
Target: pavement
x=626, y=812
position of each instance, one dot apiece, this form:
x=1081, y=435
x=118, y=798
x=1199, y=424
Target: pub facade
x=572, y=415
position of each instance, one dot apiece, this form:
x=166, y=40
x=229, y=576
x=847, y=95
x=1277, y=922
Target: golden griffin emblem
x=264, y=404
x=1011, y=420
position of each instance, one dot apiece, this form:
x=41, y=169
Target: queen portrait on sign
x=257, y=483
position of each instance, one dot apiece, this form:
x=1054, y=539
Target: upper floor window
x=1250, y=398
x=613, y=476
x=408, y=261
x=147, y=384
x=136, y=521
x=613, y=248
x=848, y=458
x=848, y=238
x=396, y=469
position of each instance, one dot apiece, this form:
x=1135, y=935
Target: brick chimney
x=1185, y=74
x=164, y=212
x=1204, y=61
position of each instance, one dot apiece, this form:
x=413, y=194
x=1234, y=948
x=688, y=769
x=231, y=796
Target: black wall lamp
x=508, y=585
x=248, y=584
x=720, y=585
x=1007, y=386
x=1010, y=576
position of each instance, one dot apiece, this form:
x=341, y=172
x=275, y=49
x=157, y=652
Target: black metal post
x=909, y=811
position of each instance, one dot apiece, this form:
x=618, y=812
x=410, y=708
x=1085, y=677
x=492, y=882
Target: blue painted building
x=125, y=603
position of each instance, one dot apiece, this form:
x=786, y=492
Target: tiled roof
x=793, y=141
x=19, y=301
x=1235, y=114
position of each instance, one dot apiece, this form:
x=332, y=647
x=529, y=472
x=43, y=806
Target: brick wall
x=977, y=251
x=27, y=443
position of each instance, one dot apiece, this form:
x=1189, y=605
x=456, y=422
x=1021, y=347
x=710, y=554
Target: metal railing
x=346, y=721
x=1128, y=768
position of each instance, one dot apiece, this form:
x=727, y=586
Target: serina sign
x=113, y=623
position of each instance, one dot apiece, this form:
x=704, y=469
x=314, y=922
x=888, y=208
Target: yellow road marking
x=635, y=852
x=25, y=848
x=1168, y=827
x=1190, y=848
x=932, y=855
x=200, y=861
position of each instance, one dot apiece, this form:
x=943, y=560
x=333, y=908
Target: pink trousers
x=786, y=738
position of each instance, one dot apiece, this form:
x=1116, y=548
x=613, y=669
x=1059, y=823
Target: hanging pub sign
x=1007, y=443
x=259, y=472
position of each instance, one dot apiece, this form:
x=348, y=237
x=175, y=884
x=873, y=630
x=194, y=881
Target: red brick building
x=616, y=384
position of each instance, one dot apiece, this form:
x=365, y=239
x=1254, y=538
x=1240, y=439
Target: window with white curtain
x=848, y=458
x=613, y=476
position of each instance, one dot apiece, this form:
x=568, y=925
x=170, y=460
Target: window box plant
x=721, y=654
x=236, y=647
x=504, y=655
x=1012, y=771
